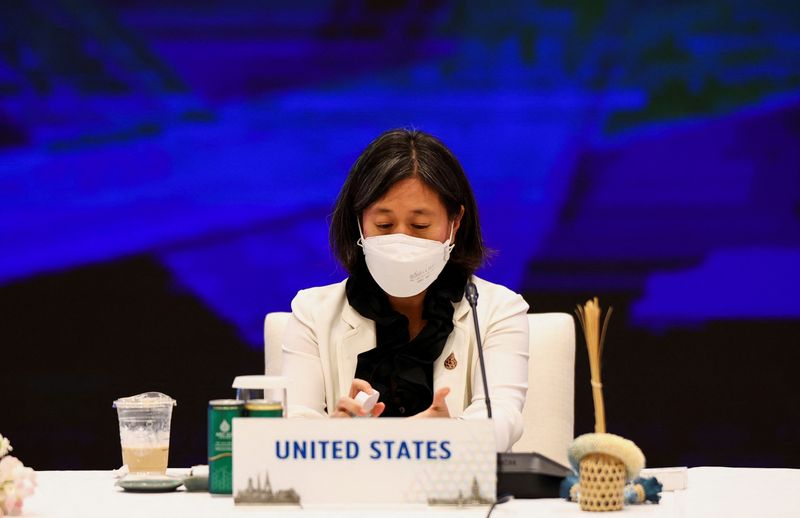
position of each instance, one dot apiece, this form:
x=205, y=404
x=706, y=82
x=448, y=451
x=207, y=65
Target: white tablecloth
x=712, y=492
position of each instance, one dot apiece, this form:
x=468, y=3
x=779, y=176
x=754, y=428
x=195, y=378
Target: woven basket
x=602, y=479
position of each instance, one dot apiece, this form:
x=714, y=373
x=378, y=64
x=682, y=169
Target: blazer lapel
x=454, y=372
x=359, y=336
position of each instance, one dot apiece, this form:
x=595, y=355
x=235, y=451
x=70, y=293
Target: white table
x=712, y=492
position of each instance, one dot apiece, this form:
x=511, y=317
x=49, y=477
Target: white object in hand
x=368, y=401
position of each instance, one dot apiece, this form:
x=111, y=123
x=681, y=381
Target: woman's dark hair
x=395, y=155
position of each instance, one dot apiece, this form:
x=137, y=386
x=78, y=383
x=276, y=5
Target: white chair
x=274, y=325
x=549, y=411
x=548, y=414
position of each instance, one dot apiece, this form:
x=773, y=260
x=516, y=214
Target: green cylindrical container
x=220, y=443
x=263, y=408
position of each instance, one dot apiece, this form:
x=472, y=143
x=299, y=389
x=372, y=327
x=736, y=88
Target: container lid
x=260, y=382
x=225, y=402
x=145, y=400
x=263, y=404
x=368, y=401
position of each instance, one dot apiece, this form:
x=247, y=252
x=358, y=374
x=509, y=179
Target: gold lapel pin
x=450, y=362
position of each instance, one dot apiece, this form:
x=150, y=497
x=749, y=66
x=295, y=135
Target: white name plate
x=363, y=461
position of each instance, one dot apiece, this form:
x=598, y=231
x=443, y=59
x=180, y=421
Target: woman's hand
x=439, y=407
x=347, y=406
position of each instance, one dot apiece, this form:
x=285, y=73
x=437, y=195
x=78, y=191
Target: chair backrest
x=549, y=410
x=274, y=325
x=548, y=414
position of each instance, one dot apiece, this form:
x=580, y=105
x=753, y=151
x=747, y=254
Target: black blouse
x=401, y=369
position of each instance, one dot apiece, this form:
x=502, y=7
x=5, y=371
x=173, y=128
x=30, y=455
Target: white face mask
x=404, y=266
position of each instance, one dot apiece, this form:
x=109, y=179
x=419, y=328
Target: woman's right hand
x=347, y=406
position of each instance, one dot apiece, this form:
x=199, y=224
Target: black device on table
x=529, y=475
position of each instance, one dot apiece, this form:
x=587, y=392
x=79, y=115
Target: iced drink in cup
x=144, y=422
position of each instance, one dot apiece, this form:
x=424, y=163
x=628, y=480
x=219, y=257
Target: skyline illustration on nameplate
x=474, y=498
x=259, y=494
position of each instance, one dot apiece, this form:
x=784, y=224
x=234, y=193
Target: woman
x=406, y=229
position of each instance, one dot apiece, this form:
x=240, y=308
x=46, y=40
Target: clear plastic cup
x=144, y=422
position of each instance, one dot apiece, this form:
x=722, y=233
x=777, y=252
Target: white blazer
x=325, y=335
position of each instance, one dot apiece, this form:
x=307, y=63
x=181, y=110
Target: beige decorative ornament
x=450, y=362
x=603, y=461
